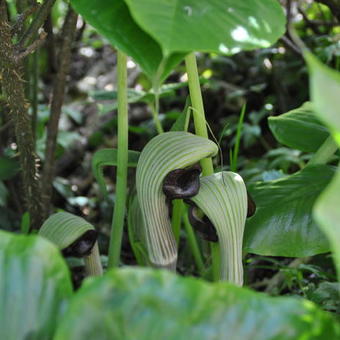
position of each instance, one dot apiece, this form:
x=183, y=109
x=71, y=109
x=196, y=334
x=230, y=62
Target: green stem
x=201, y=130
x=198, y=108
x=233, y=166
x=325, y=152
x=93, y=263
x=195, y=250
x=177, y=210
x=122, y=164
x=155, y=114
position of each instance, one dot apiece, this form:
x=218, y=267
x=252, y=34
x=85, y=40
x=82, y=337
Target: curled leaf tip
x=162, y=155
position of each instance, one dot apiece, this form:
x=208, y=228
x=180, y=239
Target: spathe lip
x=82, y=246
x=182, y=183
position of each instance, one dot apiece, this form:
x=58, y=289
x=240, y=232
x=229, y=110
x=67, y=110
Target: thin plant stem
x=325, y=152
x=155, y=114
x=122, y=166
x=195, y=250
x=93, y=263
x=233, y=165
x=176, y=220
x=201, y=130
x=198, y=108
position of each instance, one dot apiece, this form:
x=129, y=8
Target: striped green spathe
x=223, y=198
x=64, y=228
x=165, y=153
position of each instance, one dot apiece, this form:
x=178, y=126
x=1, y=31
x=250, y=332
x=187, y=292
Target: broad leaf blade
x=34, y=287
x=299, y=129
x=325, y=90
x=147, y=304
x=227, y=26
x=283, y=224
x=113, y=20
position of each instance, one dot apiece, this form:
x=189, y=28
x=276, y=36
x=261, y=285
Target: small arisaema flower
x=162, y=155
x=223, y=199
x=74, y=237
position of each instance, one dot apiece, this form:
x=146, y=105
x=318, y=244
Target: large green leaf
x=227, y=26
x=283, y=224
x=325, y=94
x=113, y=20
x=147, y=304
x=299, y=129
x=34, y=287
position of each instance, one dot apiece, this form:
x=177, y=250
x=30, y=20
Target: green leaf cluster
x=38, y=303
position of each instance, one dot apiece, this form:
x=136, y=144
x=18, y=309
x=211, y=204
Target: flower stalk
x=122, y=165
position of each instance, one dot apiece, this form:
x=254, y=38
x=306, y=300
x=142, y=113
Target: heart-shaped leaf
x=283, y=224
x=147, y=304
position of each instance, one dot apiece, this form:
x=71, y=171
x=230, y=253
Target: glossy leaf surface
x=158, y=34
x=150, y=304
x=34, y=287
x=113, y=20
x=227, y=26
x=299, y=129
x=283, y=223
